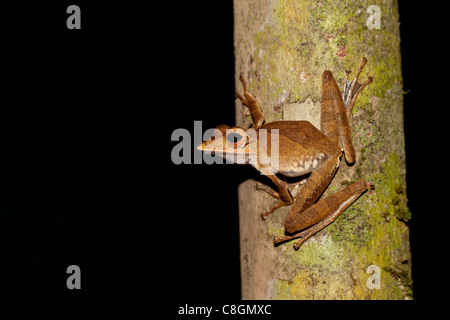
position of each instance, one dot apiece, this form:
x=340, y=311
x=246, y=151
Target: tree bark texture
x=283, y=47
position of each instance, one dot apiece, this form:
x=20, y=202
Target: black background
x=86, y=174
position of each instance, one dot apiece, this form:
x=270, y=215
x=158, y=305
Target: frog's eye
x=236, y=138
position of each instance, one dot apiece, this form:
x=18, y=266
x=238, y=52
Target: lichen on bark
x=283, y=46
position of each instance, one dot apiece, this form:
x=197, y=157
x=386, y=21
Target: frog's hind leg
x=326, y=211
x=333, y=118
x=308, y=195
x=352, y=88
x=336, y=108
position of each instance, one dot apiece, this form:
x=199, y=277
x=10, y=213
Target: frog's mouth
x=230, y=152
x=231, y=144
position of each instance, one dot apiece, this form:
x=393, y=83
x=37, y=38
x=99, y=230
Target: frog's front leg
x=283, y=195
x=252, y=104
x=326, y=210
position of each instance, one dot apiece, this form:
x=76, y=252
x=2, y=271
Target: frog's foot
x=353, y=88
x=278, y=205
x=304, y=235
x=281, y=203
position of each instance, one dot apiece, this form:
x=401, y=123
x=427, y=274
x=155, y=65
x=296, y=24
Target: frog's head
x=232, y=144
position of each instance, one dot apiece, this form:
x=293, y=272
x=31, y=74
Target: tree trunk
x=283, y=46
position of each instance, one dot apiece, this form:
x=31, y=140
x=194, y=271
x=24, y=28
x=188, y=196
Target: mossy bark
x=283, y=46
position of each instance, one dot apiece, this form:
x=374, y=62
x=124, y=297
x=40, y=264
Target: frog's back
x=303, y=133
x=302, y=147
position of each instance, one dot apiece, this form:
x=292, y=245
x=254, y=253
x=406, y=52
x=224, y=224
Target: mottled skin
x=302, y=149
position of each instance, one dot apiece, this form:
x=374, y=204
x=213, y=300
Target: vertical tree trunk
x=283, y=46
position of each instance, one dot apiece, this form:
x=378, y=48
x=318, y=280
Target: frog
x=301, y=149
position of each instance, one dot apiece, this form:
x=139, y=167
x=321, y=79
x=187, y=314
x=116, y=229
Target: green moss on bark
x=306, y=37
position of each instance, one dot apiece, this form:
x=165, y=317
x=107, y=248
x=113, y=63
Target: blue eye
x=234, y=137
